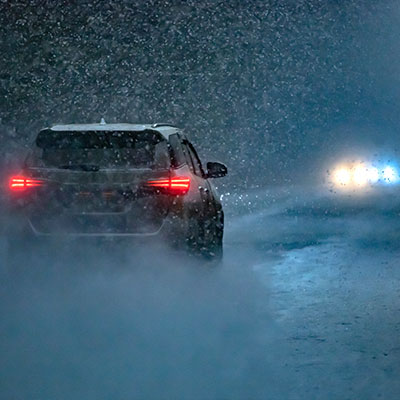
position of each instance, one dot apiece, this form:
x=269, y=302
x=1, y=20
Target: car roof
x=165, y=129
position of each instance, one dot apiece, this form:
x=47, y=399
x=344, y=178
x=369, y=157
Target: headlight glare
x=360, y=176
x=389, y=174
x=342, y=176
x=373, y=174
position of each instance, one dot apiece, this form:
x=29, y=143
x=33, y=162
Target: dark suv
x=119, y=180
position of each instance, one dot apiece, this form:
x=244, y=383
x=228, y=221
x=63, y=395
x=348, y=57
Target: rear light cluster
x=175, y=186
x=22, y=183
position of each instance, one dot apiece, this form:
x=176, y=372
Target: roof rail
x=160, y=124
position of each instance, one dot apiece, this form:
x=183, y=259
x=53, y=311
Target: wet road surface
x=305, y=305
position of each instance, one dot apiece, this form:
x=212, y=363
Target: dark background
x=265, y=86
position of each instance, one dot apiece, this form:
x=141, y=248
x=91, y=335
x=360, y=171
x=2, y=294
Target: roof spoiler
x=160, y=124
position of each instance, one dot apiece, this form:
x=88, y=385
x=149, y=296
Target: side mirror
x=216, y=170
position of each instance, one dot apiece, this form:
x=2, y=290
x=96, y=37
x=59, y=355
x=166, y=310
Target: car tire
x=214, y=249
x=194, y=237
x=213, y=243
x=204, y=240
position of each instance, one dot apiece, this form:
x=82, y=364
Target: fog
x=283, y=315
x=304, y=304
x=91, y=321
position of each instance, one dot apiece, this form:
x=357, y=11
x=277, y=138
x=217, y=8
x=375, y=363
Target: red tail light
x=177, y=185
x=22, y=183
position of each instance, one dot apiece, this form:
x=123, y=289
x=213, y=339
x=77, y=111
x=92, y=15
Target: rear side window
x=193, y=159
x=143, y=149
x=177, y=156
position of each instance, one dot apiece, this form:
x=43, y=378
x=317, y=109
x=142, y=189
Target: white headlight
x=373, y=174
x=360, y=176
x=389, y=174
x=342, y=176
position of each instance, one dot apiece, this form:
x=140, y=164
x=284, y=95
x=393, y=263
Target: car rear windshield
x=144, y=149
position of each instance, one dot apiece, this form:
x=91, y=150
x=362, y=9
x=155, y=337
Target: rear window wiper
x=81, y=167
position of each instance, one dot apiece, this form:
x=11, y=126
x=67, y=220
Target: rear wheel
x=194, y=240
x=205, y=238
x=213, y=248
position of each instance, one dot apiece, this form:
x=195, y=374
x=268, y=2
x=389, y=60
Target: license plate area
x=95, y=201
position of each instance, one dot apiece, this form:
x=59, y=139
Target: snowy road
x=305, y=306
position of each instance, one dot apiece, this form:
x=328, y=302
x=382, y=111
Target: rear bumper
x=171, y=228
x=61, y=233
x=145, y=222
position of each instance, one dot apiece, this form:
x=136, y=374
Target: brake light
x=22, y=183
x=176, y=185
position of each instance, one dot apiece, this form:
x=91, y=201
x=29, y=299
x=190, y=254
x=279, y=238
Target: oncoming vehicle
x=119, y=180
x=364, y=175
x=361, y=174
